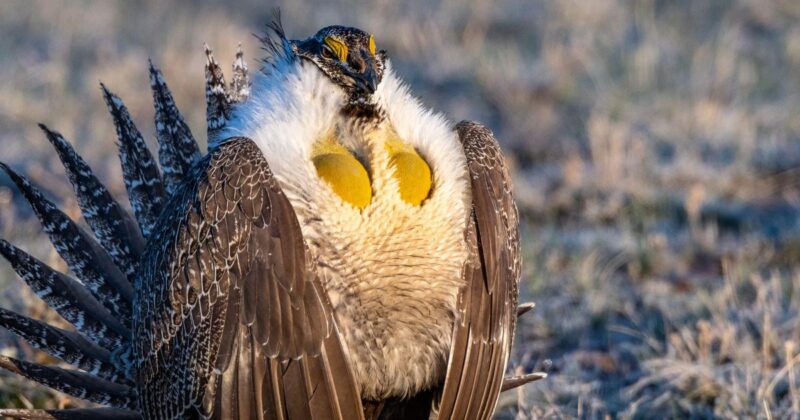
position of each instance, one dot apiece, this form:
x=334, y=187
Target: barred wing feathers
x=232, y=320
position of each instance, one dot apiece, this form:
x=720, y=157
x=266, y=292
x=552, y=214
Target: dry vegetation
x=657, y=155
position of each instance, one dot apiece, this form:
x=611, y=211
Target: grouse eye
x=328, y=53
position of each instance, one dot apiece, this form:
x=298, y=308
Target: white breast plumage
x=392, y=270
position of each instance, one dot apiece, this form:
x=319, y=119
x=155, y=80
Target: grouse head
x=347, y=56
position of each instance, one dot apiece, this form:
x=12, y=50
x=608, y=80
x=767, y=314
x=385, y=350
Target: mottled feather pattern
x=73, y=382
x=178, y=149
x=111, y=224
x=239, y=89
x=234, y=283
x=228, y=316
x=217, y=106
x=83, y=255
x=104, y=355
x=139, y=169
x=67, y=297
x=68, y=346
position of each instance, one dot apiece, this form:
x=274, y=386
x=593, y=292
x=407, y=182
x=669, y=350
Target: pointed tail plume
x=68, y=346
x=83, y=255
x=72, y=382
x=177, y=148
x=217, y=106
x=142, y=177
x=68, y=297
x=98, y=300
x=239, y=90
x=113, y=226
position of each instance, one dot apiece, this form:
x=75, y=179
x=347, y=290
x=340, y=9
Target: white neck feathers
x=293, y=105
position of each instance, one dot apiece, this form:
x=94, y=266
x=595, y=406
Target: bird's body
x=340, y=252
x=392, y=270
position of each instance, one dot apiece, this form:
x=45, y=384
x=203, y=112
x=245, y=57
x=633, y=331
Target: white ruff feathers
x=392, y=270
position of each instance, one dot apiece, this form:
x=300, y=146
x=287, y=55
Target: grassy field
x=656, y=148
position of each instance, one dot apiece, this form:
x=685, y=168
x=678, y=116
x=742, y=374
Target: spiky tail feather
x=98, y=304
x=140, y=171
x=217, y=105
x=113, y=226
x=177, y=147
x=83, y=255
x=239, y=90
x=72, y=382
x=68, y=346
x=67, y=297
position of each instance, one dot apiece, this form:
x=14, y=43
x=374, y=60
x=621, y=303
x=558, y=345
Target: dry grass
x=656, y=154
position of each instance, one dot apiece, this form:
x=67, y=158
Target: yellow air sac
x=345, y=174
x=412, y=172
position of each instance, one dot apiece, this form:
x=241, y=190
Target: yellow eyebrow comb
x=372, y=45
x=339, y=47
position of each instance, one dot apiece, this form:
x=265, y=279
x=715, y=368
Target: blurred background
x=656, y=155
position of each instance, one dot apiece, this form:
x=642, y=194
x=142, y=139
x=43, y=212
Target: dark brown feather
x=488, y=302
x=232, y=321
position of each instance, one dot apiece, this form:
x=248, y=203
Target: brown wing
x=488, y=303
x=231, y=319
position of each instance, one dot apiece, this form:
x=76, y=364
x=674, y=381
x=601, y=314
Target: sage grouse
x=340, y=252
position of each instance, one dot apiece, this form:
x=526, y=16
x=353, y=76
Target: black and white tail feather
x=97, y=297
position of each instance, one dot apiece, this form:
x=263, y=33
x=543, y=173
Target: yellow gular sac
x=344, y=173
x=411, y=171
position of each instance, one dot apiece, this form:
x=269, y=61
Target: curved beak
x=367, y=81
